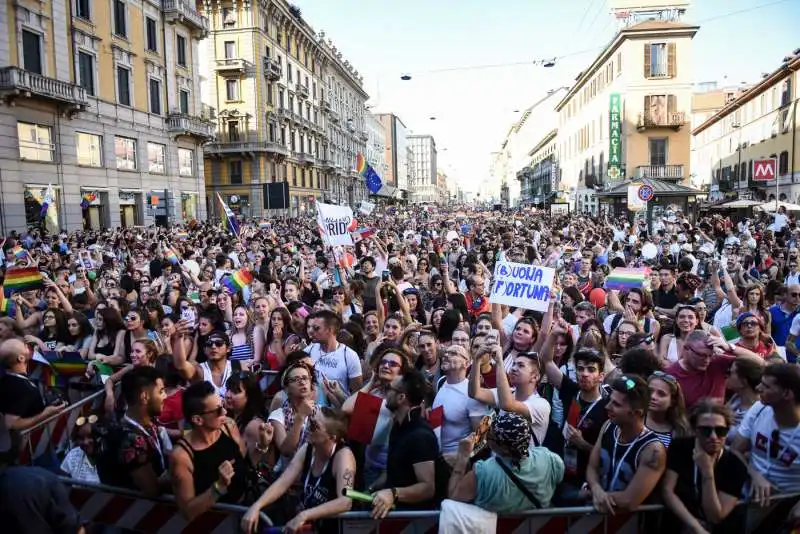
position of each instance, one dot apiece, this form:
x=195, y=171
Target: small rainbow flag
x=22, y=279
x=7, y=306
x=66, y=364
x=182, y=235
x=171, y=256
x=624, y=278
x=238, y=280
x=371, y=178
x=19, y=252
x=263, y=225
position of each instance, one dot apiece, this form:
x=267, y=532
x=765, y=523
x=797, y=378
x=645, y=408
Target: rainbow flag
x=66, y=364
x=363, y=233
x=238, y=280
x=171, y=256
x=371, y=178
x=7, y=306
x=22, y=279
x=182, y=235
x=263, y=225
x=19, y=252
x=227, y=217
x=623, y=278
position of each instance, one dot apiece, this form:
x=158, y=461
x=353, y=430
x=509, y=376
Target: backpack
x=618, y=319
x=108, y=441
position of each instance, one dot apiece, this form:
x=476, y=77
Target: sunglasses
x=664, y=376
x=390, y=364
x=218, y=411
x=215, y=343
x=749, y=324
x=80, y=421
x=706, y=431
x=794, y=294
x=131, y=317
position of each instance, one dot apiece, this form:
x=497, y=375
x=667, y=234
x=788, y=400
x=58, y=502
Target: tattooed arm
x=651, y=465
x=344, y=469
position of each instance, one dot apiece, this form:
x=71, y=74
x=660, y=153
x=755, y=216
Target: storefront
x=128, y=208
x=189, y=206
x=34, y=199
x=239, y=205
x=93, y=209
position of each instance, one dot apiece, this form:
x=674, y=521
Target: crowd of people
x=271, y=371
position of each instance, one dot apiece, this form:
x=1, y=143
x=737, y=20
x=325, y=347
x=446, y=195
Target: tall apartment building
x=759, y=124
x=398, y=155
x=103, y=103
x=626, y=118
x=289, y=109
x=425, y=170
x=376, y=146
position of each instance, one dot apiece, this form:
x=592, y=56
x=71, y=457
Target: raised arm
x=477, y=392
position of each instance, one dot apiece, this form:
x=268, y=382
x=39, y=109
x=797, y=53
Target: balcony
x=231, y=66
x=326, y=164
x=247, y=148
x=660, y=172
x=301, y=90
x=297, y=118
x=185, y=13
x=197, y=127
x=325, y=104
x=673, y=119
x=272, y=69
x=363, y=135
x=305, y=159
x=333, y=116
x=16, y=82
x=282, y=114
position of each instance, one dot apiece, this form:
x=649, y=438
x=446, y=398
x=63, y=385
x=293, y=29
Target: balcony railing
x=246, y=147
x=350, y=126
x=333, y=116
x=363, y=135
x=301, y=90
x=185, y=12
x=231, y=65
x=660, y=172
x=673, y=119
x=325, y=104
x=326, y=163
x=283, y=114
x=306, y=159
x=272, y=69
x=181, y=124
x=15, y=81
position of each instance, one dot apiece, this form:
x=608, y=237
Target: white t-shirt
x=781, y=221
x=539, y=410
x=795, y=328
x=458, y=408
x=78, y=466
x=783, y=471
x=340, y=365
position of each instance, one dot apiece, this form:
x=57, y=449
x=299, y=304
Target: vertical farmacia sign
x=614, y=136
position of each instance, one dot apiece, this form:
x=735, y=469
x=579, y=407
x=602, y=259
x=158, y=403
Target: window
x=35, y=142
x=90, y=149
x=233, y=130
x=32, y=51
x=269, y=94
x=289, y=73
x=228, y=18
x=659, y=60
x=232, y=90
x=181, y=45
x=185, y=162
x=155, y=96
x=125, y=153
x=183, y=96
x=124, y=86
x=156, y=155
x=783, y=163
x=152, y=34
x=658, y=151
x=120, y=28
x=235, y=172
x=230, y=49
x=86, y=72
x=83, y=9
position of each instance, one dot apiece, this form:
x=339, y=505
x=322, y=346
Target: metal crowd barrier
x=108, y=506
x=53, y=433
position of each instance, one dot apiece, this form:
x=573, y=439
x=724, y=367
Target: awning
x=386, y=191
x=736, y=204
x=770, y=206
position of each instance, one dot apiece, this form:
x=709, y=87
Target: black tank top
x=206, y=464
x=108, y=348
x=319, y=490
x=618, y=461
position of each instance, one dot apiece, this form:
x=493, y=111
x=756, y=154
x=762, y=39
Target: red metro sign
x=765, y=170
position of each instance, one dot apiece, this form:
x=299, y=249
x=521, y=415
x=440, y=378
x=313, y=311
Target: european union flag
x=372, y=180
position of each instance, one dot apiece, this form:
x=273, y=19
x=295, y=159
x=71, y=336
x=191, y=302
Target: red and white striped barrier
x=53, y=434
x=107, y=506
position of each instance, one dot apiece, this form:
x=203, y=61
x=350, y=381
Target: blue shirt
x=781, y=323
x=540, y=473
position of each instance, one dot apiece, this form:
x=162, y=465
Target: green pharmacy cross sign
x=614, y=136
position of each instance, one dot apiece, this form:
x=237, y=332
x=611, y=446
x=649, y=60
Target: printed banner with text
x=335, y=224
x=523, y=286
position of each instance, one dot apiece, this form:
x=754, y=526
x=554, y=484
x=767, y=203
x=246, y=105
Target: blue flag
x=372, y=180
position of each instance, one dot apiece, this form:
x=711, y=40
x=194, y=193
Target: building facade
x=539, y=180
x=398, y=157
x=626, y=116
x=103, y=104
x=760, y=123
x=289, y=109
x=376, y=146
x=442, y=188
x=425, y=170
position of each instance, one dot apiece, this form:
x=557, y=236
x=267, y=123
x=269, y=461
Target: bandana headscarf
x=513, y=433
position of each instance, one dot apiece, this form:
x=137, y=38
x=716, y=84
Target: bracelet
x=217, y=492
x=395, y=497
x=265, y=450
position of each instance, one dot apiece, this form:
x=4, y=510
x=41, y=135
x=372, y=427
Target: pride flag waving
x=229, y=221
x=371, y=177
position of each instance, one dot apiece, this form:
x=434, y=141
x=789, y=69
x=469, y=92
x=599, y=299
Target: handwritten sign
x=523, y=286
x=335, y=224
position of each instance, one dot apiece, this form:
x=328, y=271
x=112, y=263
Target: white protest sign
x=366, y=207
x=523, y=286
x=635, y=203
x=335, y=224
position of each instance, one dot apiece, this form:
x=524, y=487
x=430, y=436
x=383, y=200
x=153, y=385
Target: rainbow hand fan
x=238, y=280
x=22, y=279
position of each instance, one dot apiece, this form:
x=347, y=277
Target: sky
x=442, y=44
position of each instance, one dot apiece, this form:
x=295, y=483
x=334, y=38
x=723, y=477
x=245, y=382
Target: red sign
x=765, y=170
